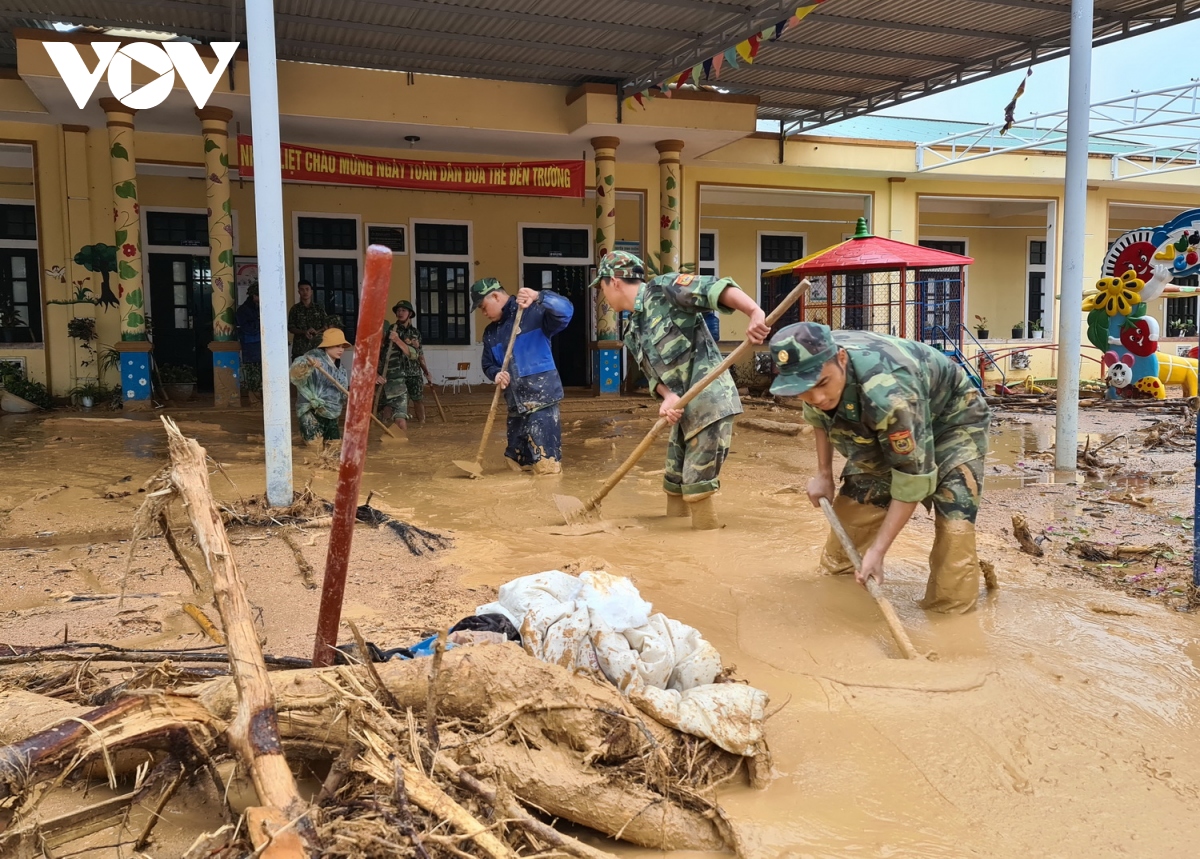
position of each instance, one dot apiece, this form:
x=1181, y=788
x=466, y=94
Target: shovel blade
x=574, y=511
x=473, y=469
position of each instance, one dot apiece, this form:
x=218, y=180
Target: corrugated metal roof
x=847, y=58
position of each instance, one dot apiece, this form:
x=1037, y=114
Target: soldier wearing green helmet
x=913, y=429
x=403, y=377
x=666, y=335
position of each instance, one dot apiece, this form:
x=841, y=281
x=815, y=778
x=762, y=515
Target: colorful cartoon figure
x=1138, y=268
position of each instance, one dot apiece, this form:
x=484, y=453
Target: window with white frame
x=328, y=254
x=441, y=282
x=20, y=276
x=1036, y=273
x=708, y=264
x=775, y=249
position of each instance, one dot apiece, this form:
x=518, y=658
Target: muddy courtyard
x=1060, y=719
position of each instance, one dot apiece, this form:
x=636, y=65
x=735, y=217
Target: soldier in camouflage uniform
x=306, y=321
x=531, y=384
x=667, y=336
x=913, y=429
x=403, y=378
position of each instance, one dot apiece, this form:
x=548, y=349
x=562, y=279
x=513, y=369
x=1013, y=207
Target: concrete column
x=127, y=238
x=608, y=344
x=1074, y=230
x=214, y=126
x=669, y=191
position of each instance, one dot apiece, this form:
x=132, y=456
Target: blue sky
x=1165, y=58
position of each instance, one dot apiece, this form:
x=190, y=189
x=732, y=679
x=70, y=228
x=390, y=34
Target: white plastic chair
x=456, y=382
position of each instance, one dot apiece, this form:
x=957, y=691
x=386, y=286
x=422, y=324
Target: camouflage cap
x=620, y=264
x=482, y=287
x=405, y=305
x=800, y=351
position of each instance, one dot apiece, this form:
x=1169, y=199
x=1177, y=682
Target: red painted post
x=376, y=283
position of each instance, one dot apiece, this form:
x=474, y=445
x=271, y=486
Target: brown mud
x=1060, y=719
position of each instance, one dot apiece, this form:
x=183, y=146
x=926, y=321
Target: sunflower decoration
x=1116, y=296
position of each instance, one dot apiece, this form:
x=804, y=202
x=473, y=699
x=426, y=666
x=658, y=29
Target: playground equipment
x=1138, y=268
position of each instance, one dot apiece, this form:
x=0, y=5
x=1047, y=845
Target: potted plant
x=1035, y=329
x=88, y=392
x=1182, y=327
x=1018, y=330
x=13, y=328
x=981, y=329
x=179, y=381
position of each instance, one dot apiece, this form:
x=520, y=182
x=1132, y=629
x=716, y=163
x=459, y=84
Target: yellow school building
x=684, y=181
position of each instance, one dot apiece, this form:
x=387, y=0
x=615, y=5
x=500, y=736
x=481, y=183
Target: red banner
x=525, y=178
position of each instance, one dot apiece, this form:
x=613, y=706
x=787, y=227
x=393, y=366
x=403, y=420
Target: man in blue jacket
x=531, y=384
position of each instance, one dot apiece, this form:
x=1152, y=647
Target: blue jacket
x=535, y=382
x=249, y=332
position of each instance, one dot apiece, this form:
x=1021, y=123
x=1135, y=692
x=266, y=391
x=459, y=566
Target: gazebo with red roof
x=869, y=283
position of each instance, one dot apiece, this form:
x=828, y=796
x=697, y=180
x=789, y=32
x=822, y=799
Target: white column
x=268, y=218
x=1074, y=230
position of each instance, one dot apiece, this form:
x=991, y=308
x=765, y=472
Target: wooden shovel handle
x=889, y=613
x=694, y=391
x=387, y=429
x=491, y=418
x=387, y=356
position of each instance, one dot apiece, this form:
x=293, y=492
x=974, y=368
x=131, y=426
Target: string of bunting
x=743, y=53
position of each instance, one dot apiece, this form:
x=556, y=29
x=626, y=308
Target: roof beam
x=535, y=18
x=918, y=28
x=852, y=51
x=702, y=6
x=735, y=86
x=570, y=74
x=333, y=23
x=820, y=72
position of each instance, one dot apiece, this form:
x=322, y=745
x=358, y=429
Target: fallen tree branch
x=254, y=730
x=1021, y=532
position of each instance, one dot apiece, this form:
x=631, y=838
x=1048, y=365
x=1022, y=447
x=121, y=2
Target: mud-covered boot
x=953, y=586
x=704, y=514
x=861, y=522
x=676, y=506
x=546, y=467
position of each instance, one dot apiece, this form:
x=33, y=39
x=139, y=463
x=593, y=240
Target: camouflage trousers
x=956, y=497
x=694, y=465
x=313, y=425
x=534, y=436
x=395, y=397
x=416, y=388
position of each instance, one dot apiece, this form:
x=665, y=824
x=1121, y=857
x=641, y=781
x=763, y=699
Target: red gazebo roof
x=866, y=252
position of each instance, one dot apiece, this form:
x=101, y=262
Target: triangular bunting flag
x=779, y=28
x=792, y=22
x=743, y=50
x=717, y=62
x=683, y=77
x=754, y=43
x=708, y=64
x=637, y=96
x=731, y=57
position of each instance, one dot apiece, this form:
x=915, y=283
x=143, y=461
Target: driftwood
x=504, y=733
x=1021, y=532
x=253, y=731
x=1090, y=551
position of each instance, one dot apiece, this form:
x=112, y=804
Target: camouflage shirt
x=908, y=412
x=667, y=337
x=401, y=365
x=301, y=318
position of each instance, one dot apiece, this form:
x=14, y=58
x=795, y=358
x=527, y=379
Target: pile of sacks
x=599, y=624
